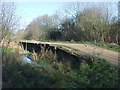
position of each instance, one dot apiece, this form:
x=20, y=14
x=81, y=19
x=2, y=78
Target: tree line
x=94, y=22
x=78, y=22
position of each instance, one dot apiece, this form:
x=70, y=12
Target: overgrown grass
x=8, y=50
x=17, y=74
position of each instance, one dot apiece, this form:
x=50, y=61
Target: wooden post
x=26, y=48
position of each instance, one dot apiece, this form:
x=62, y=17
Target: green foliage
x=54, y=35
x=8, y=50
x=17, y=74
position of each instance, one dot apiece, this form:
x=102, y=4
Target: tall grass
x=17, y=74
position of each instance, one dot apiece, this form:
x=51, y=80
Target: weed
x=17, y=74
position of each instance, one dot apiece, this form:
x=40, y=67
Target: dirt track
x=109, y=55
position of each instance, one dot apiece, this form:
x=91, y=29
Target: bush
x=17, y=74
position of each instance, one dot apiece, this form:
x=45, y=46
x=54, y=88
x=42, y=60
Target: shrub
x=17, y=74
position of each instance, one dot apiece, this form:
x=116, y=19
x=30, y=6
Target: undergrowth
x=17, y=74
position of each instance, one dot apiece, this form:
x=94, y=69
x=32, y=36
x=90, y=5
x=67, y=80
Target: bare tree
x=92, y=18
x=33, y=30
x=38, y=28
x=8, y=21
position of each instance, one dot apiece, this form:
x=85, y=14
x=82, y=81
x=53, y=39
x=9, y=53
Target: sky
x=27, y=11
